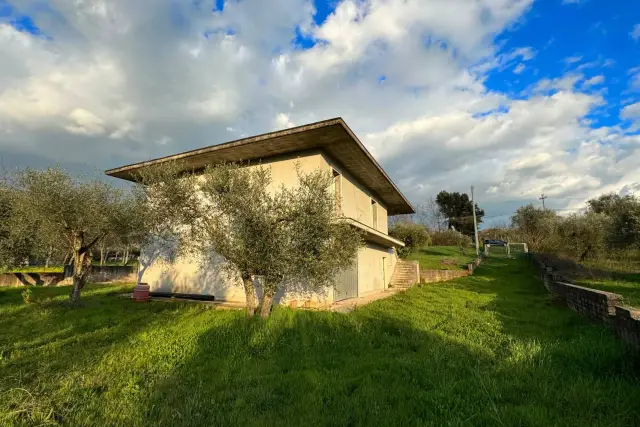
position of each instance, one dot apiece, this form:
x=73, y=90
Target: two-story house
x=365, y=196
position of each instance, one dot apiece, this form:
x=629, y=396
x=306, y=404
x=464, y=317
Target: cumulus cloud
x=114, y=82
x=635, y=33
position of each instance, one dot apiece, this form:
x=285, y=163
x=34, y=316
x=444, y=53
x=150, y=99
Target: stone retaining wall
x=99, y=274
x=604, y=307
x=433, y=276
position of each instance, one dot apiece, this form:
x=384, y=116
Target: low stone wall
x=25, y=279
x=433, y=276
x=113, y=273
x=604, y=307
x=99, y=274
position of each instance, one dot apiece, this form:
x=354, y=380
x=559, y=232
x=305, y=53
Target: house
x=365, y=196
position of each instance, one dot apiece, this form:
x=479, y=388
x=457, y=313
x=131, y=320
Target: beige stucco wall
x=356, y=200
x=370, y=272
x=192, y=276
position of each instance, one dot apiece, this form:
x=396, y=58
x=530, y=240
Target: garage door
x=347, y=284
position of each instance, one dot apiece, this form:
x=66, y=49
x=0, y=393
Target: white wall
x=370, y=260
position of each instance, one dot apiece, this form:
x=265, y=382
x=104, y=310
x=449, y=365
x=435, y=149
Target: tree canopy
x=458, y=210
x=51, y=209
x=414, y=236
x=624, y=215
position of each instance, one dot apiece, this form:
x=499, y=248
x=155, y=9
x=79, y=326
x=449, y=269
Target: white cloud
x=84, y=122
x=519, y=68
x=635, y=33
x=631, y=111
x=594, y=81
x=119, y=82
x=573, y=59
x=282, y=121
x=634, y=78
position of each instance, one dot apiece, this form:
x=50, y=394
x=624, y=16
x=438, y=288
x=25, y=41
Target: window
x=374, y=214
x=337, y=188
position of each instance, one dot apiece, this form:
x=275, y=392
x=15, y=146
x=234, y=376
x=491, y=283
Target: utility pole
x=542, y=197
x=475, y=224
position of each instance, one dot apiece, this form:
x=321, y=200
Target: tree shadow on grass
x=47, y=343
x=376, y=368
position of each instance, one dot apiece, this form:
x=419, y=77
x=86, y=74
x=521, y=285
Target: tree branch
x=92, y=244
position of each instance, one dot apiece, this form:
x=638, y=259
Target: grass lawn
x=627, y=285
x=489, y=349
x=430, y=257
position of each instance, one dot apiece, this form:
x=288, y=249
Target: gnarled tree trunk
x=81, y=264
x=250, y=294
x=267, y=303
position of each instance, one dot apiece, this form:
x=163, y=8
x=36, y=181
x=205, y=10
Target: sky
x=515, y=97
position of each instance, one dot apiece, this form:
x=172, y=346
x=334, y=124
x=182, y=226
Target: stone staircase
x=406, y=274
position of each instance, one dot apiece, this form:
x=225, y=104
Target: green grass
x=430, y=257
x=489, y=349
x=627, y=285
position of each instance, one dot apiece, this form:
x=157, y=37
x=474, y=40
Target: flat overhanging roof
x=375, y=236
x=333, y=136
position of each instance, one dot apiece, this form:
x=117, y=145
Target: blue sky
x=516, y=97
x=589, y=31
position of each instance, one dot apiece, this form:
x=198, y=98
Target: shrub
x=413, y=235
x=450, y=238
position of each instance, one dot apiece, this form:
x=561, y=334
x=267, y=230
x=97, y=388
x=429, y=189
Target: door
x=347, y=283
x=384, y=273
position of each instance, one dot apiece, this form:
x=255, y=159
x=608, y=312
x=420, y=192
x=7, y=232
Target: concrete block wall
x=600, y=306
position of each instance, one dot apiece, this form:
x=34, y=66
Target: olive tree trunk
x=250, y=294
x=267, y=303
x=81, y=264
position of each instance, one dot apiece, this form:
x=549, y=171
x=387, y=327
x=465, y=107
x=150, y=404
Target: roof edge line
x=375, y=162
x=241, y=141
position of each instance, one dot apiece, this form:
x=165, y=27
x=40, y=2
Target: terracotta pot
x=141, y=292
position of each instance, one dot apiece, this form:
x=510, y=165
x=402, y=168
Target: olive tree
x=17, y=237
x=285, y=236
x=57, y=209
x=537, y=227
x=583, y=236
x=624, y=218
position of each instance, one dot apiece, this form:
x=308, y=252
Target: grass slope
x=490, y=349
x=429, y=257
x=627, y=285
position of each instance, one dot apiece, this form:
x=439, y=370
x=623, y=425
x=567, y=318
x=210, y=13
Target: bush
x=414, y=236
x=450, y=238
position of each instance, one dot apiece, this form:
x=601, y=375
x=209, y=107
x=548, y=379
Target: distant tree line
x=609, y=224
x=446, y=220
